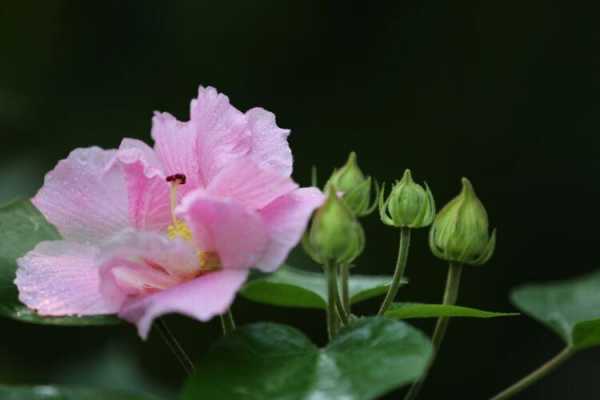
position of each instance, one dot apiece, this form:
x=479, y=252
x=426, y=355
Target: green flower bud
x=409, y=205
x=356, y=188
x=460, y=231
x=335, y=234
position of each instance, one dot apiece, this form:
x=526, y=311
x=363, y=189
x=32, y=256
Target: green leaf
x=422, y=310
x=570, y=308
x=64, y=393
x=22, y=226
x=292, y=287
x=368, y=358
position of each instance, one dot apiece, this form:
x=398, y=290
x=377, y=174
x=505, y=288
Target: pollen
x=209, y=260
x=178, y=229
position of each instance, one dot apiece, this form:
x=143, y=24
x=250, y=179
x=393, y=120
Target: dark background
x=505, y=93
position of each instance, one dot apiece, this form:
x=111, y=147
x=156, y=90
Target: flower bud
x=409, y=205
x=335, y=234
x=460, y=231
x=356, y=188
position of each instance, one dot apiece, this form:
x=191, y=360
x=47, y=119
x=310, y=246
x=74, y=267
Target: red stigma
x=177, y=178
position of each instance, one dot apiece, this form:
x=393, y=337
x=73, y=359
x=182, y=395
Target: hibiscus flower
x=172, y=228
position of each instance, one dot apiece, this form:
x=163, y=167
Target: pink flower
x=174, y=228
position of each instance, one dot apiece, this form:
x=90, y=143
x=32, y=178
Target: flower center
x=207, y=260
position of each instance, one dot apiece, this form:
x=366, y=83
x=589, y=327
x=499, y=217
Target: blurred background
x=505, y=93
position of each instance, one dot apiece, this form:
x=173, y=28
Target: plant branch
x=536, y=375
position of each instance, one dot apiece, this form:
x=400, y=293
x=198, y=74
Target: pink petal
x=62, y=278
x=247, y=183
x=286, y=219
x=226, y=227
x=270, y=147
x=176, y=148
x=177, y=258
x=85, y=196
x=202, y=298
x=222, y=132
x=149, y=204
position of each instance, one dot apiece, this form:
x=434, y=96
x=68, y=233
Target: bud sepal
x=460, y=231
x=409, y=204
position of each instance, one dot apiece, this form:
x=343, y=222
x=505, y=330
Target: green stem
x=399, y=272
x=450, y=296
x=174, y=346
x=332, y=300
x=227, y=322
x=344, y=283
x=536, y=375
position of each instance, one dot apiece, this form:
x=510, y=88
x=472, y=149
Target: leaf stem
x=450, y=296
x=536, y=375
x=332, y=299
x=174, y=346
x=399, y=272
x=227, y=322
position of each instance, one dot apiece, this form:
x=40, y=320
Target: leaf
x=292, y=287
x=368, y=358
x=22, y=226
x=423, y=310
x=47, y=392
x=570, y=308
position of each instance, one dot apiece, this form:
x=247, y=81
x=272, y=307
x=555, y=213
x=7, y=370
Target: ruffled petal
x=176, y=257
x=286, y=220
x=202, y=298
x=237, y=234
x=222, y=132
x=148, y=191
x=176, y=148
x=247, y=183
x=270, y=148
x=62, y=278
x=85, y=196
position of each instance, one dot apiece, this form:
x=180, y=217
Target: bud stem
x=399, y=272
x=344, y=278
x=450, y=296
x=227, y=322
x=536, y=375
x=332, y=300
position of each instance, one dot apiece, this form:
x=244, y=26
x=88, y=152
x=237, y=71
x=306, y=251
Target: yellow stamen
x=207, y=260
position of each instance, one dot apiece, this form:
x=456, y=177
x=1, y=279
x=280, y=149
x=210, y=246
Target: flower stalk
x=227, y=323
x=399, y=272
x=173, y=344
x=450, y=296
x=345, y=289
x=332, y=300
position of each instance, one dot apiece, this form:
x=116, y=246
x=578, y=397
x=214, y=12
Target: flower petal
x=176, y=148
x=62, y=278
x=270, y=148
x=202, y=298
x=247, y=183
x=222, y=132
x=149, y=204
x=226, y=227
x=175, y=257
x=286, y=220
x=85, y=196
